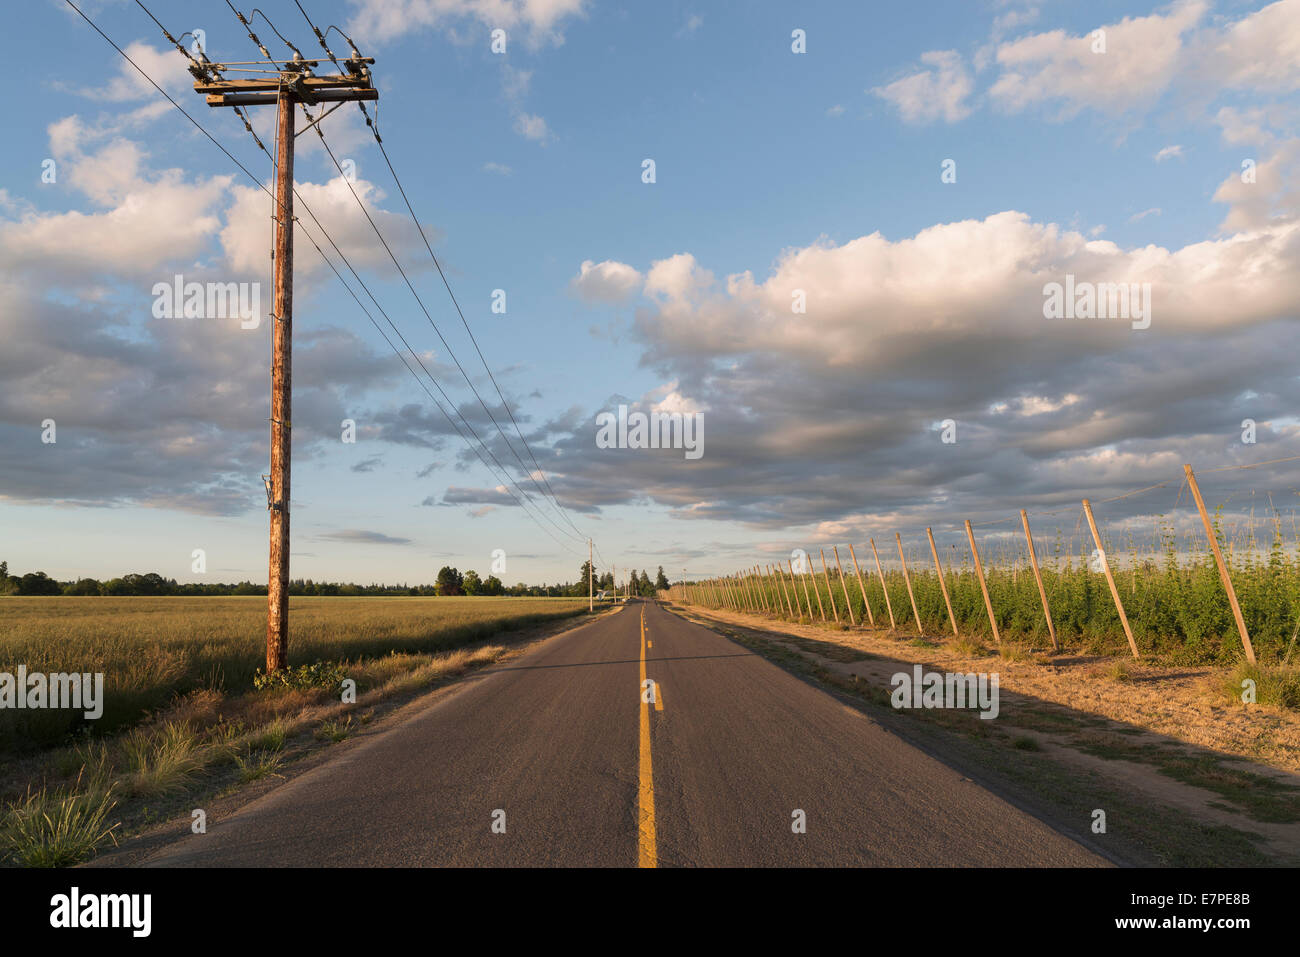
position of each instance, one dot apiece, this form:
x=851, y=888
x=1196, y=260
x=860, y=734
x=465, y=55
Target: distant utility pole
x=591, y=587
x=293, y=85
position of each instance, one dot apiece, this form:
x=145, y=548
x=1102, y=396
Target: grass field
x=151, y=650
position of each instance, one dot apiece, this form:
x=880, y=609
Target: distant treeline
x=450, y=581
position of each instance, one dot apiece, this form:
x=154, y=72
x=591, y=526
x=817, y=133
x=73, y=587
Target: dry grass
x=152, y=649
x=211, y=727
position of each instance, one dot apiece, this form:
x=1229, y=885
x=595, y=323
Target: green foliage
x=1170, y=588
x=318, y=674
x=57, y=829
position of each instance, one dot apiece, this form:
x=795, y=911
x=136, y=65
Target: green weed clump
x=318, y=674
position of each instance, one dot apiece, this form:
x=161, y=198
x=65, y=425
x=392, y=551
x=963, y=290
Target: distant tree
x=661, y=580
x=4, y=571
x=582, y=587
x=492, y=586
x=38, y=583
x=83, y=586
x=450, y=581
x=472, y=584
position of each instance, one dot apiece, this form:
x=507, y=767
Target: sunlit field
x=152, y=649
x=1169, y=586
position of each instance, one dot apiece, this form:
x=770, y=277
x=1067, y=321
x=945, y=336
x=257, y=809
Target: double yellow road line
x=647, y=854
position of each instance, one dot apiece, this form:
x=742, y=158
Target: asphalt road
x=565, y=748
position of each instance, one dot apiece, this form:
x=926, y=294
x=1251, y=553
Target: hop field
x=1169, y=586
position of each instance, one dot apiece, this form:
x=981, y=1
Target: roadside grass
x=335, y=730
x=161, y=760
x=969, y=647
x=58, y=806
x=1276, y=685
x=203, y=743
x=259, y=764
x=57, y=828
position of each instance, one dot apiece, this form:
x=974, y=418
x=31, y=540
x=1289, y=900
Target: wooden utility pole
x=291, y=86
x=591, y=585
x=277, y=586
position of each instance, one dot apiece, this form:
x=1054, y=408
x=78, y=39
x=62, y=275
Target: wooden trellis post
x=1038, y=577
x=795, y=588
x=830, y=594
x=1110, y=579
x=979, y=573
x=862, y=588
x=907, y=579
x=1218, y=560
x=820, y=607
x=889, y=606
x=844, y=585
x=943, y=586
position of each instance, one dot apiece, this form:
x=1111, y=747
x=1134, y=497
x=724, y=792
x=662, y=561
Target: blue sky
x=1121, y=166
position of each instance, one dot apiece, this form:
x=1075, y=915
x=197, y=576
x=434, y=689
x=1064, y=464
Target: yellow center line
x=647, y=855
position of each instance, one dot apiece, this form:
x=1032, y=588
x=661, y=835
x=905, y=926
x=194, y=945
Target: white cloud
x=1168, y=152
x=501, y=169
x=948, y=323
x=607, y=281
x=245, y=234
x=929, y=95
x=539, y=20
x=1256, y=126
x=677, y=279
x=1142, y=58
x=166, y=66
x=532, y=127
x=1258, y=52
x=1273, y=197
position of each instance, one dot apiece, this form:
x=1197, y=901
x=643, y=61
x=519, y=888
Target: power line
x=325, y=232
x=450, y=402
x=473, y=339
x=391, y=255
x=577, y=533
